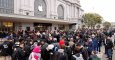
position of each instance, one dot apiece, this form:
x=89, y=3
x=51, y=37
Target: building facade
x=40, y=15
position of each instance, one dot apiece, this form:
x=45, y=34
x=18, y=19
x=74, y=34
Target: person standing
x=95, y=43
x=81, y=52
x=5, y=50
x=35, y=55
x=109, y=46
x=19, y=53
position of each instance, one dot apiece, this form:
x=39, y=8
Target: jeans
x=95, y=48
x=109, y=53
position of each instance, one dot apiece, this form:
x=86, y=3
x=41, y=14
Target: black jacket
x=62, y=56
x=109, y=44
x=68, y=50
x=5, y=49
x=19, y=54
x=27, y=50
x=84, y=52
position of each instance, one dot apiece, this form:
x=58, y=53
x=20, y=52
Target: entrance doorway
x=61, y=27
x=42, y=26
x=6, y=26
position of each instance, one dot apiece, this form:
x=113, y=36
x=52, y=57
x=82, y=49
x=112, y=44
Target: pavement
x=103, y=50
x=103, y=56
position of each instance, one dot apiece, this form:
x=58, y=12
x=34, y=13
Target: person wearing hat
x=35, y=55
x=48, y=52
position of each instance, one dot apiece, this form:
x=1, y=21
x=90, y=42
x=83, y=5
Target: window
x=7, y=24
x=27, y=13
x=7, y=3
x=1, y=3
x=60, y=11
x=4, y=3
x=28, y=28
x=1, y=10
x=40, y=8
x=55, y=28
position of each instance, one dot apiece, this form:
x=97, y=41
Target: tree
x=83, y=26
x=98, y=26
x=106, y=25
x=91, y=19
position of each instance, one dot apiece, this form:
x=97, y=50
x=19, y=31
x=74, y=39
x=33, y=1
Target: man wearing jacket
x=109, y=46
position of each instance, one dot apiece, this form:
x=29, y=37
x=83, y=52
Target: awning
x=24, y=18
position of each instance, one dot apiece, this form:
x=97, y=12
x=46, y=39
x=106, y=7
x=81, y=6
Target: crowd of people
x=82, y=44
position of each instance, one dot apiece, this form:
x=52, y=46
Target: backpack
x=4, y=50
x=15, y=55
x=78, y=58
x=61, y=55
x=35, y=56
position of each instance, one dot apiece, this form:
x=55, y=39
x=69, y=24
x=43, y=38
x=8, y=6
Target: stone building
x=40, y=15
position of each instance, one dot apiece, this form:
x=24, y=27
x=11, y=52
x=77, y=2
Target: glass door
x=6, y=26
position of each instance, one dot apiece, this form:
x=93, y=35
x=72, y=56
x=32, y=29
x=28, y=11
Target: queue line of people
x=61, y=45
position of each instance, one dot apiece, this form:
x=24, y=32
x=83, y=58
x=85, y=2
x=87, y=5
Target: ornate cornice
x=75, y=4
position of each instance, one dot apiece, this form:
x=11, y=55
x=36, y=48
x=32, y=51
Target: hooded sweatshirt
x=35, y=55
x=61, y=43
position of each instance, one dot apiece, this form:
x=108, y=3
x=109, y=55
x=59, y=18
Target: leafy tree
x=91, y=19
x=106, y=25
x=83, y=26
x=98, y=26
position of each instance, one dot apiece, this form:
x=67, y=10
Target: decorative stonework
x=40, y=8
x=60, y=12
x=7, y=6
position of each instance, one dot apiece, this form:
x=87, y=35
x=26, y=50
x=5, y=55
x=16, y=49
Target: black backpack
x=62, y=56
x=4, y=49
x=15, y=55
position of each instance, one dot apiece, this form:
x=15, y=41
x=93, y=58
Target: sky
x=106, y=8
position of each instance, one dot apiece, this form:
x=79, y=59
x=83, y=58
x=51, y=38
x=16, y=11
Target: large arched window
x=60, y=11
x=7, y=6
x=40, y=8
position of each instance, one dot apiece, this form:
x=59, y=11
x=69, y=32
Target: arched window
x=40, y=8
x=60, y=11
x=7, y=6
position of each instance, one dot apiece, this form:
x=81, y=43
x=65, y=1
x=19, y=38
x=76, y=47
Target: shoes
x=109, y=58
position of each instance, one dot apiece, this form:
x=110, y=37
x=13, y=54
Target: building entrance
x=7, y=26
x=61, y=27
x=42, y=26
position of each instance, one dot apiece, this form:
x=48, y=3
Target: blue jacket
x=90, y=46
x=95, y=42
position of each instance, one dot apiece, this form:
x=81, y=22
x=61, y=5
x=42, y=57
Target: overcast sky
x=106, y=8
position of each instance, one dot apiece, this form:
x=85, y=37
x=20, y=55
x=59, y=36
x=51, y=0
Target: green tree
x=83, y=26
x=98, y=26
x=106, y=25
x=91, y=19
